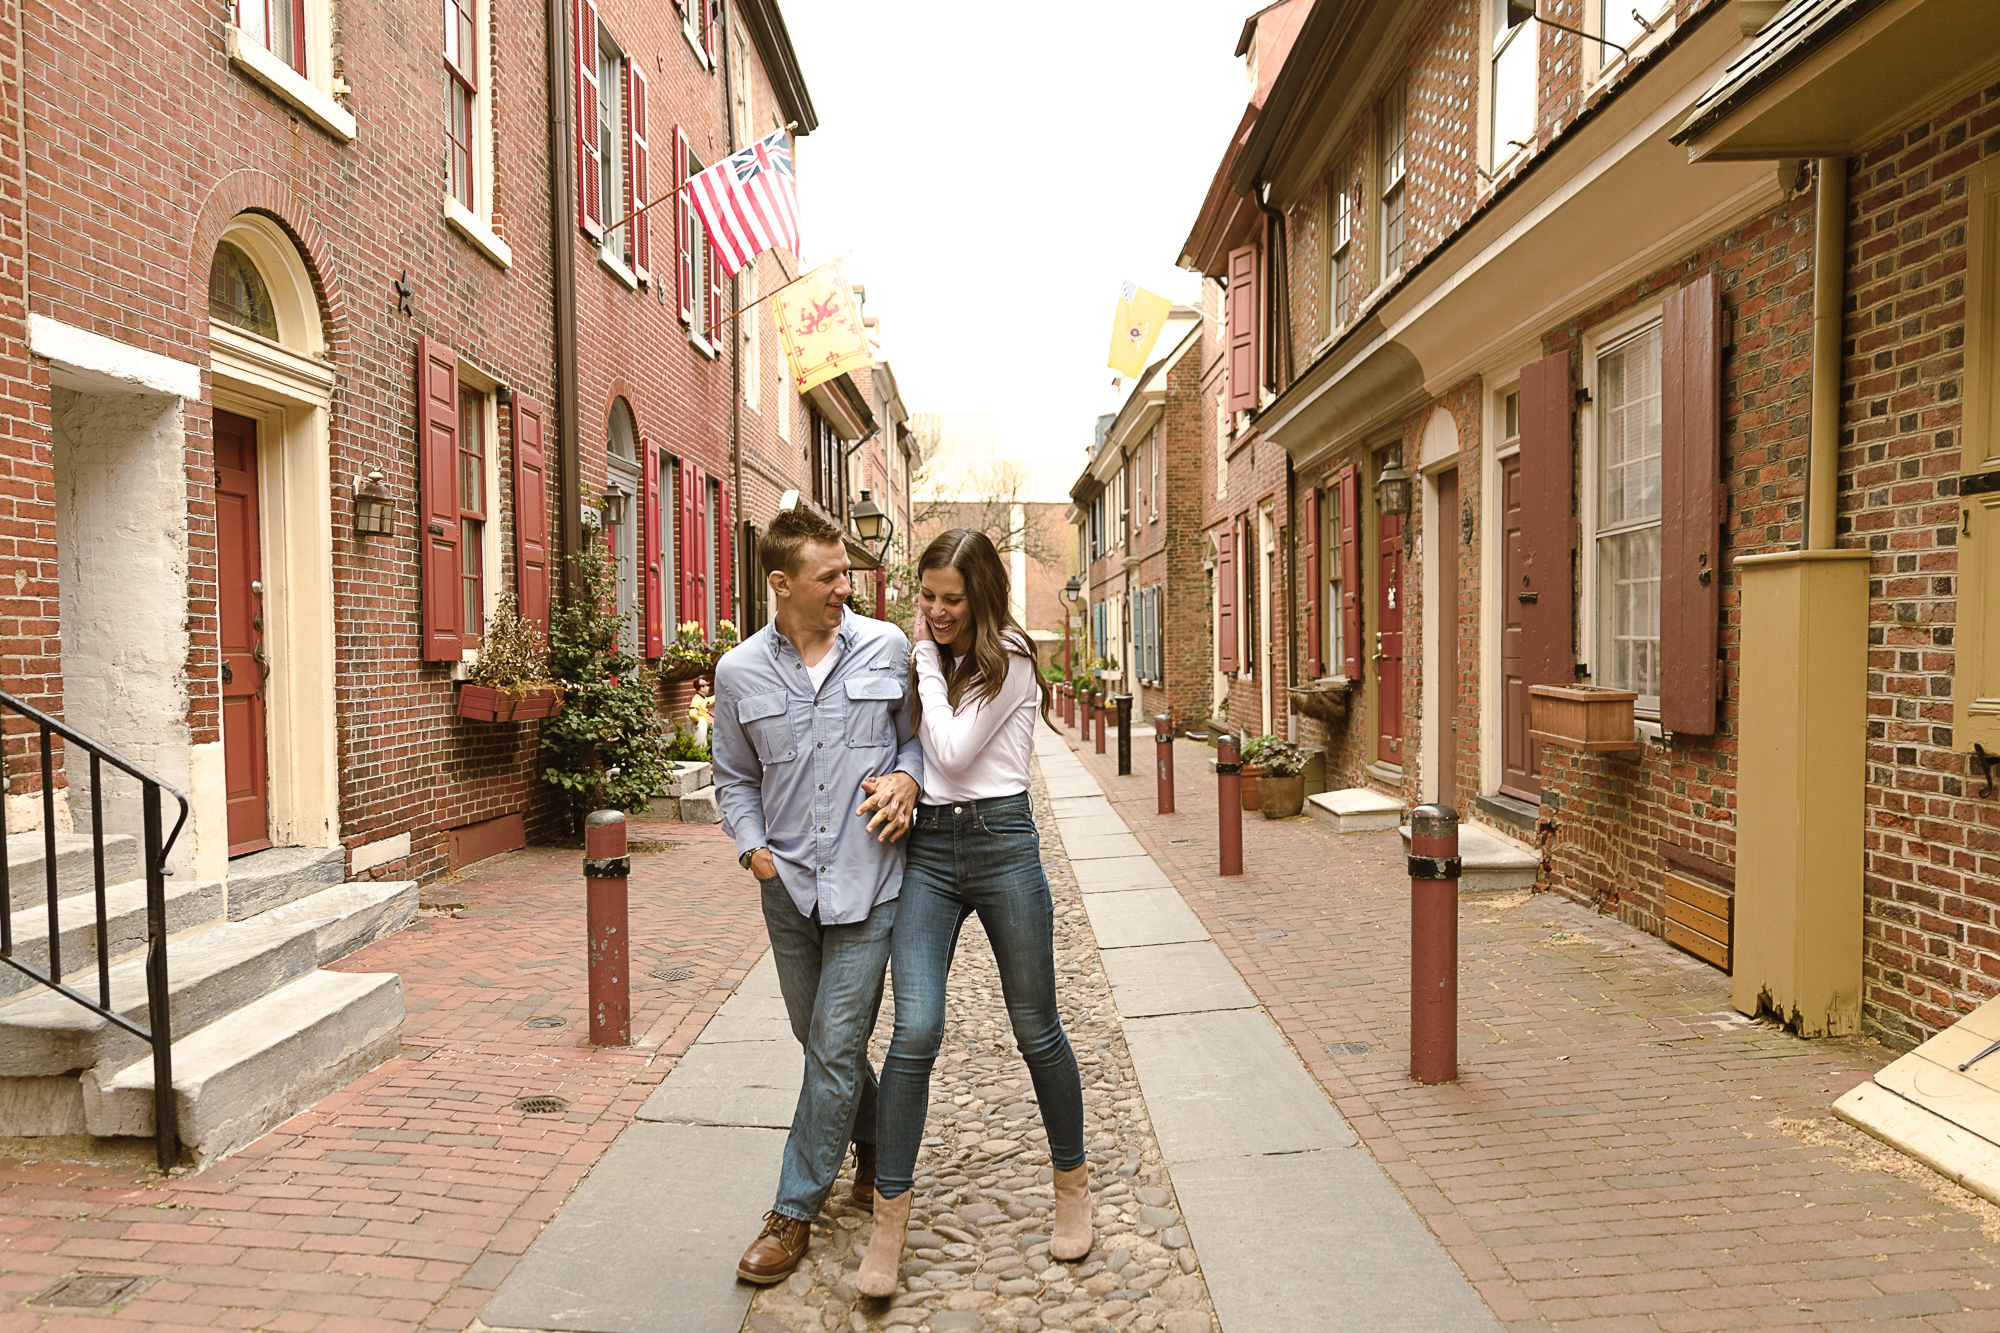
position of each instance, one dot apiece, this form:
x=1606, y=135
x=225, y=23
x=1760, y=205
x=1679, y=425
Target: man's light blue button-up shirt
x=789, y=761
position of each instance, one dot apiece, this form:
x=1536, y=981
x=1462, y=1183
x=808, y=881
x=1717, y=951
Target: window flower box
x=1590, y=718
x=484, y=703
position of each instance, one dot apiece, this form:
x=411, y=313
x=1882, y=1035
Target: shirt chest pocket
x=766, y=719
x=870, y=701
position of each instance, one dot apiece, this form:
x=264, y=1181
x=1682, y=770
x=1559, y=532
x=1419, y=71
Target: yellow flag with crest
x=1135, y=328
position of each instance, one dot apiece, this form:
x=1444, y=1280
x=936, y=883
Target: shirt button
x=822, y=786
x=819, y=745
x=822, y=828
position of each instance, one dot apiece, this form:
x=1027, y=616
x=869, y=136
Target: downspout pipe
x=562, y=263
x=744, y=559
x=1829, y=275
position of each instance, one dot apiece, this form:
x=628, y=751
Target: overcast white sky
x=997, y=171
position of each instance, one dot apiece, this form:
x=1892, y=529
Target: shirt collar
x=843, y=637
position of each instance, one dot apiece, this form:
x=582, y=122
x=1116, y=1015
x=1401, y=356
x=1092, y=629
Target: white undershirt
x=981, y=751
x=819, y=671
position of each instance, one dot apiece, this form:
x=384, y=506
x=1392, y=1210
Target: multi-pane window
x=1341, y=245
x=1513, y=82
x=461, y=62
x=472, y=509
x=1332, y=624
x=829, y=467
x=279, y=26
x=611, y=145
x=1392, y=121
x=1628, y=517
x=698, y=261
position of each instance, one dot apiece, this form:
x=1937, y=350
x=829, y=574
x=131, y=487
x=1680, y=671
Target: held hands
x=891, y=797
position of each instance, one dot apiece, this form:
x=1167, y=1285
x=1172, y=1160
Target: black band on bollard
x=1434, y=867
x=1221, y=768
x=1163, y=738
x=608, y=867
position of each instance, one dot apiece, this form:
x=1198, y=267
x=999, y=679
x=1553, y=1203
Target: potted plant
x=1281, y=792
x=510, y=682
x=1593, y=718
x=691, y=654
x=1252, y=752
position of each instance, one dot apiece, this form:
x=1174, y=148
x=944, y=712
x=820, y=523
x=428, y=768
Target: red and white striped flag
x=749, y=201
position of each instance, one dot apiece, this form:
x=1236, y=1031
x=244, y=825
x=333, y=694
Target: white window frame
x=1342, y=289
x=1498, y=153
x=1606, y=338
x=1390, y=199
x=611, y=166
x=1332, y=577
x=691, y=29
x=310, y=91
x=699, y=258
x=1601, y=62
x=476, y=223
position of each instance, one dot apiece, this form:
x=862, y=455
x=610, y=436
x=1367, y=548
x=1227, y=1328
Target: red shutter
x=708, y=29
x=725, y=594
x=689, y=546
x=1691, y=506
x=1225, y=598
x=1314, y=646
x=437, y=501
x=1348, y=484
x=714, y=293
x=703, y=552
x=638, y=171
x=1241, y=311
x=589, y=188
x=1548, y=400
x=651, y=548
x=531, y=510
x=683, y=231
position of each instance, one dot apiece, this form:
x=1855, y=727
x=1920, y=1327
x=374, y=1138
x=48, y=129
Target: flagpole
x=775, y=290
x=790, y=125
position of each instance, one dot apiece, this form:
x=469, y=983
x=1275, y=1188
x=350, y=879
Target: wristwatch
x=744, y=860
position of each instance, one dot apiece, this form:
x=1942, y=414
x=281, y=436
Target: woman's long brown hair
x=995, y=633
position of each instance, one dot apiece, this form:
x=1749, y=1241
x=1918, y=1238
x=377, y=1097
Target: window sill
x=291, y=86
x=618, y=269
x=472, y=229
x=703, y=345
x=694, y=45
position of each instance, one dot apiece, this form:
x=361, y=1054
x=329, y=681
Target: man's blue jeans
x=831, y=977
x=984, y=857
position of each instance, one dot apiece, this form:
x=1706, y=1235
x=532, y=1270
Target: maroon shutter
x=714, y=293
x=698, y=543
x=708, y=30
x=437, y=501
x=690, y=547
x=638, y=171
x=1249, y=575
x=1349, y=486
x=1691, y=506
x=531, y=510
x=1225, y=598
x=589, y=188
x=1242, y=329
x=651, y=547
x=1548, y=399
x=683, y=230
x=1314, y=646
x=725, y=594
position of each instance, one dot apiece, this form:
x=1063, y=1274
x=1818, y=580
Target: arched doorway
x=622, y=473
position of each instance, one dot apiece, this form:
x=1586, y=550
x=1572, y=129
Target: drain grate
x=92, y=1289
x=670, y=973
x=541, y=1105
x=546, y=1023
x=1348, y=1048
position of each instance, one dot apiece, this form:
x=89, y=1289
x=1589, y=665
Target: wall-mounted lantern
x=374, y=511
x=1392, y=489
x=616, y=498
x=870, y=523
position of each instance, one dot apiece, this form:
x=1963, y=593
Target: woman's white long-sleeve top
x=981, y=750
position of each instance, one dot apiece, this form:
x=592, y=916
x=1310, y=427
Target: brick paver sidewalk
x=1622, y=1150
x=401, y=1201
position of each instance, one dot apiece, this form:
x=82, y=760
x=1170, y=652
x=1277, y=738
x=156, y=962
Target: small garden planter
x=483, y=703
x=1325, y=700
x=1281, y=797
x=1251, y=774
x=1590, y=718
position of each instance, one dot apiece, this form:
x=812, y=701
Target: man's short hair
x=780, y=546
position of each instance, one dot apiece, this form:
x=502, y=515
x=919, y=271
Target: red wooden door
x=1518, y=759
x=1389, y=642
x=240, y=607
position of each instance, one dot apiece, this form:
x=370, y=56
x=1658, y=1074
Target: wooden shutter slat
x=1242, y=330
x=687, y=548
x=1225, y=598
x=531, y=510
x=1548, y=542
x=725, y=593
x=589, y=185
x=1691, y=506
x=1315, y=661
x=652, y=549
x=1348, y=484
x=683, y=228
x=437, y=502
x=638, y=170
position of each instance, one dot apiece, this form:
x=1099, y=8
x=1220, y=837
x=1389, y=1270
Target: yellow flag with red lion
x=820, y=326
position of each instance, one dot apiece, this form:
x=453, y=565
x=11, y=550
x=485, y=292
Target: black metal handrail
x=157, y=1033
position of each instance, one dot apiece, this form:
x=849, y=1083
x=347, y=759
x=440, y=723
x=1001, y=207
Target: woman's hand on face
x=922, y=633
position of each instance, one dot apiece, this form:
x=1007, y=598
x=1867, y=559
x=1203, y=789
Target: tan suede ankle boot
x=885, y=1247
x=1071, y=1240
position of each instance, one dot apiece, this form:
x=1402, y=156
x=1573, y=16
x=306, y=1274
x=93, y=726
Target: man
x=808, y=710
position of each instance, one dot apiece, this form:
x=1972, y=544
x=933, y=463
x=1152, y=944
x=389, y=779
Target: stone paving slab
x=1078, y=828
x=602, y=1266
x=1227, y=1085
x=744, y=1084
x=1142, y=917
x=1101, y=846
x=1076, y=783
x=1074, y=807
x=1174, y=979
x=1320, y=1241
x=1119, y=874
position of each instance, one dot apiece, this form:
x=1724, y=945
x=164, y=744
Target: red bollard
x=606, y=868
x=1089, y=698
x=1434, y=871
x=1163, y=751
x=1099, y=712
x=1229, y=811
x=1069, y=705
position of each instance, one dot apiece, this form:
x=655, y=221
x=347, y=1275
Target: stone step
x=279, y=875
x=701, y=807
x=1489, y=862
x=686, y=777
x=347, y=916
x=1355, y=810
x=27, y=884
x=191, y=907
x=244, y=1074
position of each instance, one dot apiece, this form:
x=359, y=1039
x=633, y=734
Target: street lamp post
x=872, y=526
x=1071, y=590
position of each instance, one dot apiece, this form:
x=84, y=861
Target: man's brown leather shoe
x=863, y=1192
x=776, y=1251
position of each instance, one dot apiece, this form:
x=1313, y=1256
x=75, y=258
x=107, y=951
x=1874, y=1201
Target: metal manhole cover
x=541, y=1106
x=670, y=973
x=1348, y=1048
x=546, y=1023
x=95, y=1289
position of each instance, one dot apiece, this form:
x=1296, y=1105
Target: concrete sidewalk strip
x=1141, y=917
x=1119, y=874
x=1071, y=783
x=1226, y=1084
x=1076, y=807
x=1076, y=828
x=1174, y=979
x=1320, y=1240
x=744, y=1084
x=606, y=1265
x=1101, y=846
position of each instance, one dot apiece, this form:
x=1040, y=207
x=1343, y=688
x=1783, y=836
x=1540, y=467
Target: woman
x=973, y=848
